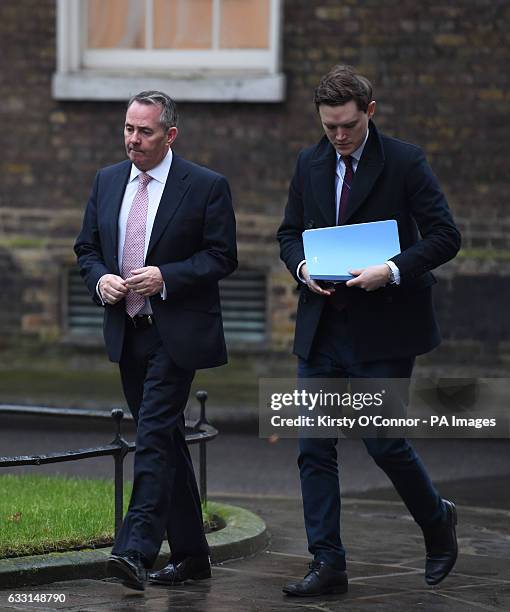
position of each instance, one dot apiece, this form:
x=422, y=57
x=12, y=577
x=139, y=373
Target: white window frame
x=195, y=75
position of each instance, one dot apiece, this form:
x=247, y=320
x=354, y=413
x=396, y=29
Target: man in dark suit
x=375, y=324
x=157, y=236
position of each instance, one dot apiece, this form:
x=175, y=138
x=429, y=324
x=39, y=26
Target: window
x=195, y=49
x=243, y=303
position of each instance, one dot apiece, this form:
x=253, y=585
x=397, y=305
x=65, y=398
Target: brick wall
x=440, y=73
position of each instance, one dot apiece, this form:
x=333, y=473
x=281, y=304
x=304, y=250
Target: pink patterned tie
x=134, y=244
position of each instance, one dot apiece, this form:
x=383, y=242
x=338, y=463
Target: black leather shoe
x=441, y=546
x=320, y=580
x=130, y=568
x=177, y=572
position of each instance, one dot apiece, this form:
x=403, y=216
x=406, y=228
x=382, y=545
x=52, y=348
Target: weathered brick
x=440, y=77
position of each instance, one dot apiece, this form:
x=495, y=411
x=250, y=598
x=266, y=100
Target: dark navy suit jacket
x=193, y=242
x=393, y=181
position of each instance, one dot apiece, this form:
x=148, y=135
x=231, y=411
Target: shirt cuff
x=99, y=292
x=395, y=271
x=162, y=293
x=298, y=271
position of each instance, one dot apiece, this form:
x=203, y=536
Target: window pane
x=182, y=24
x=244, y=24
x=118, y=24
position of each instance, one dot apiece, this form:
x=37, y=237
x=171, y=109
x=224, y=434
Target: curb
x=245, y=534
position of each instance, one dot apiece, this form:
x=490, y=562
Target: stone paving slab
x=385, y=566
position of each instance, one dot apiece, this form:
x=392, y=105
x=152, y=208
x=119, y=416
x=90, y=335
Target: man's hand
x=311, y=284
x=371, y=278
x=145, y=281
x=112, y=288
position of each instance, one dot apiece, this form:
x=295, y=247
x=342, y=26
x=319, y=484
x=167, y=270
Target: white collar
x=358, y=152
x=159, y=172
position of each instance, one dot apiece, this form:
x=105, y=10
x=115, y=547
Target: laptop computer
x=331, y=251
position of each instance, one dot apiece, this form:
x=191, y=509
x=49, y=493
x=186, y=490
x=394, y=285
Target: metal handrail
x=199, y=432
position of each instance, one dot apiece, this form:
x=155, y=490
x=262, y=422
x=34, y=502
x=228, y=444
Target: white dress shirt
x=155, y=189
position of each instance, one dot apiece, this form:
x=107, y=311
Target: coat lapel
x=322, y=177
x=114, y=196
x=369, y=168
x=176, y=186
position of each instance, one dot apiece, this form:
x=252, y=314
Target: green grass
x=42, y=514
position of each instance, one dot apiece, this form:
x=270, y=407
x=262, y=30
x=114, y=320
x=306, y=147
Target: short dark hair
x=169, y=116
x=341, y=85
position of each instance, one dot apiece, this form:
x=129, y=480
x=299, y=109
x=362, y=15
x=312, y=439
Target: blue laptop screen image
x=331, y=252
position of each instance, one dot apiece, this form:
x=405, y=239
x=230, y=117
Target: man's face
x=146, y=140
x=345, y=126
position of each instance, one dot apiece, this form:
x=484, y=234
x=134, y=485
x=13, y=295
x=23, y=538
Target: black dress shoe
x=177, y=572
x=441, y=545
x=320, y=580
x=130, y=568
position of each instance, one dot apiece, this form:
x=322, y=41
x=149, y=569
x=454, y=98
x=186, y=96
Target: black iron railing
x=199, y=432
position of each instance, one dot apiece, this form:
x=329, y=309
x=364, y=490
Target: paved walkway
x=385, y=548
x=385, y=558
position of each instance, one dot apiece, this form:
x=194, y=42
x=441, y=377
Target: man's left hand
x=145, y=281
x=371, y=278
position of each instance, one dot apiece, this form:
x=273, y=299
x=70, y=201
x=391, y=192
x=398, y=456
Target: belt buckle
x=142, y=321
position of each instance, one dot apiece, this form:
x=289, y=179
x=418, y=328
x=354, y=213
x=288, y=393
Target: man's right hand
x=311, y=284
x=112, y=288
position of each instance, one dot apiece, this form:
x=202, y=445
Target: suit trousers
x=165, y=497
x=332, y=356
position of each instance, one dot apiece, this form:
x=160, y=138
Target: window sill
x=89, y=85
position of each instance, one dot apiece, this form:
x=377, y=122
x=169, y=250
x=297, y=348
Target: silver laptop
x=331, y=252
